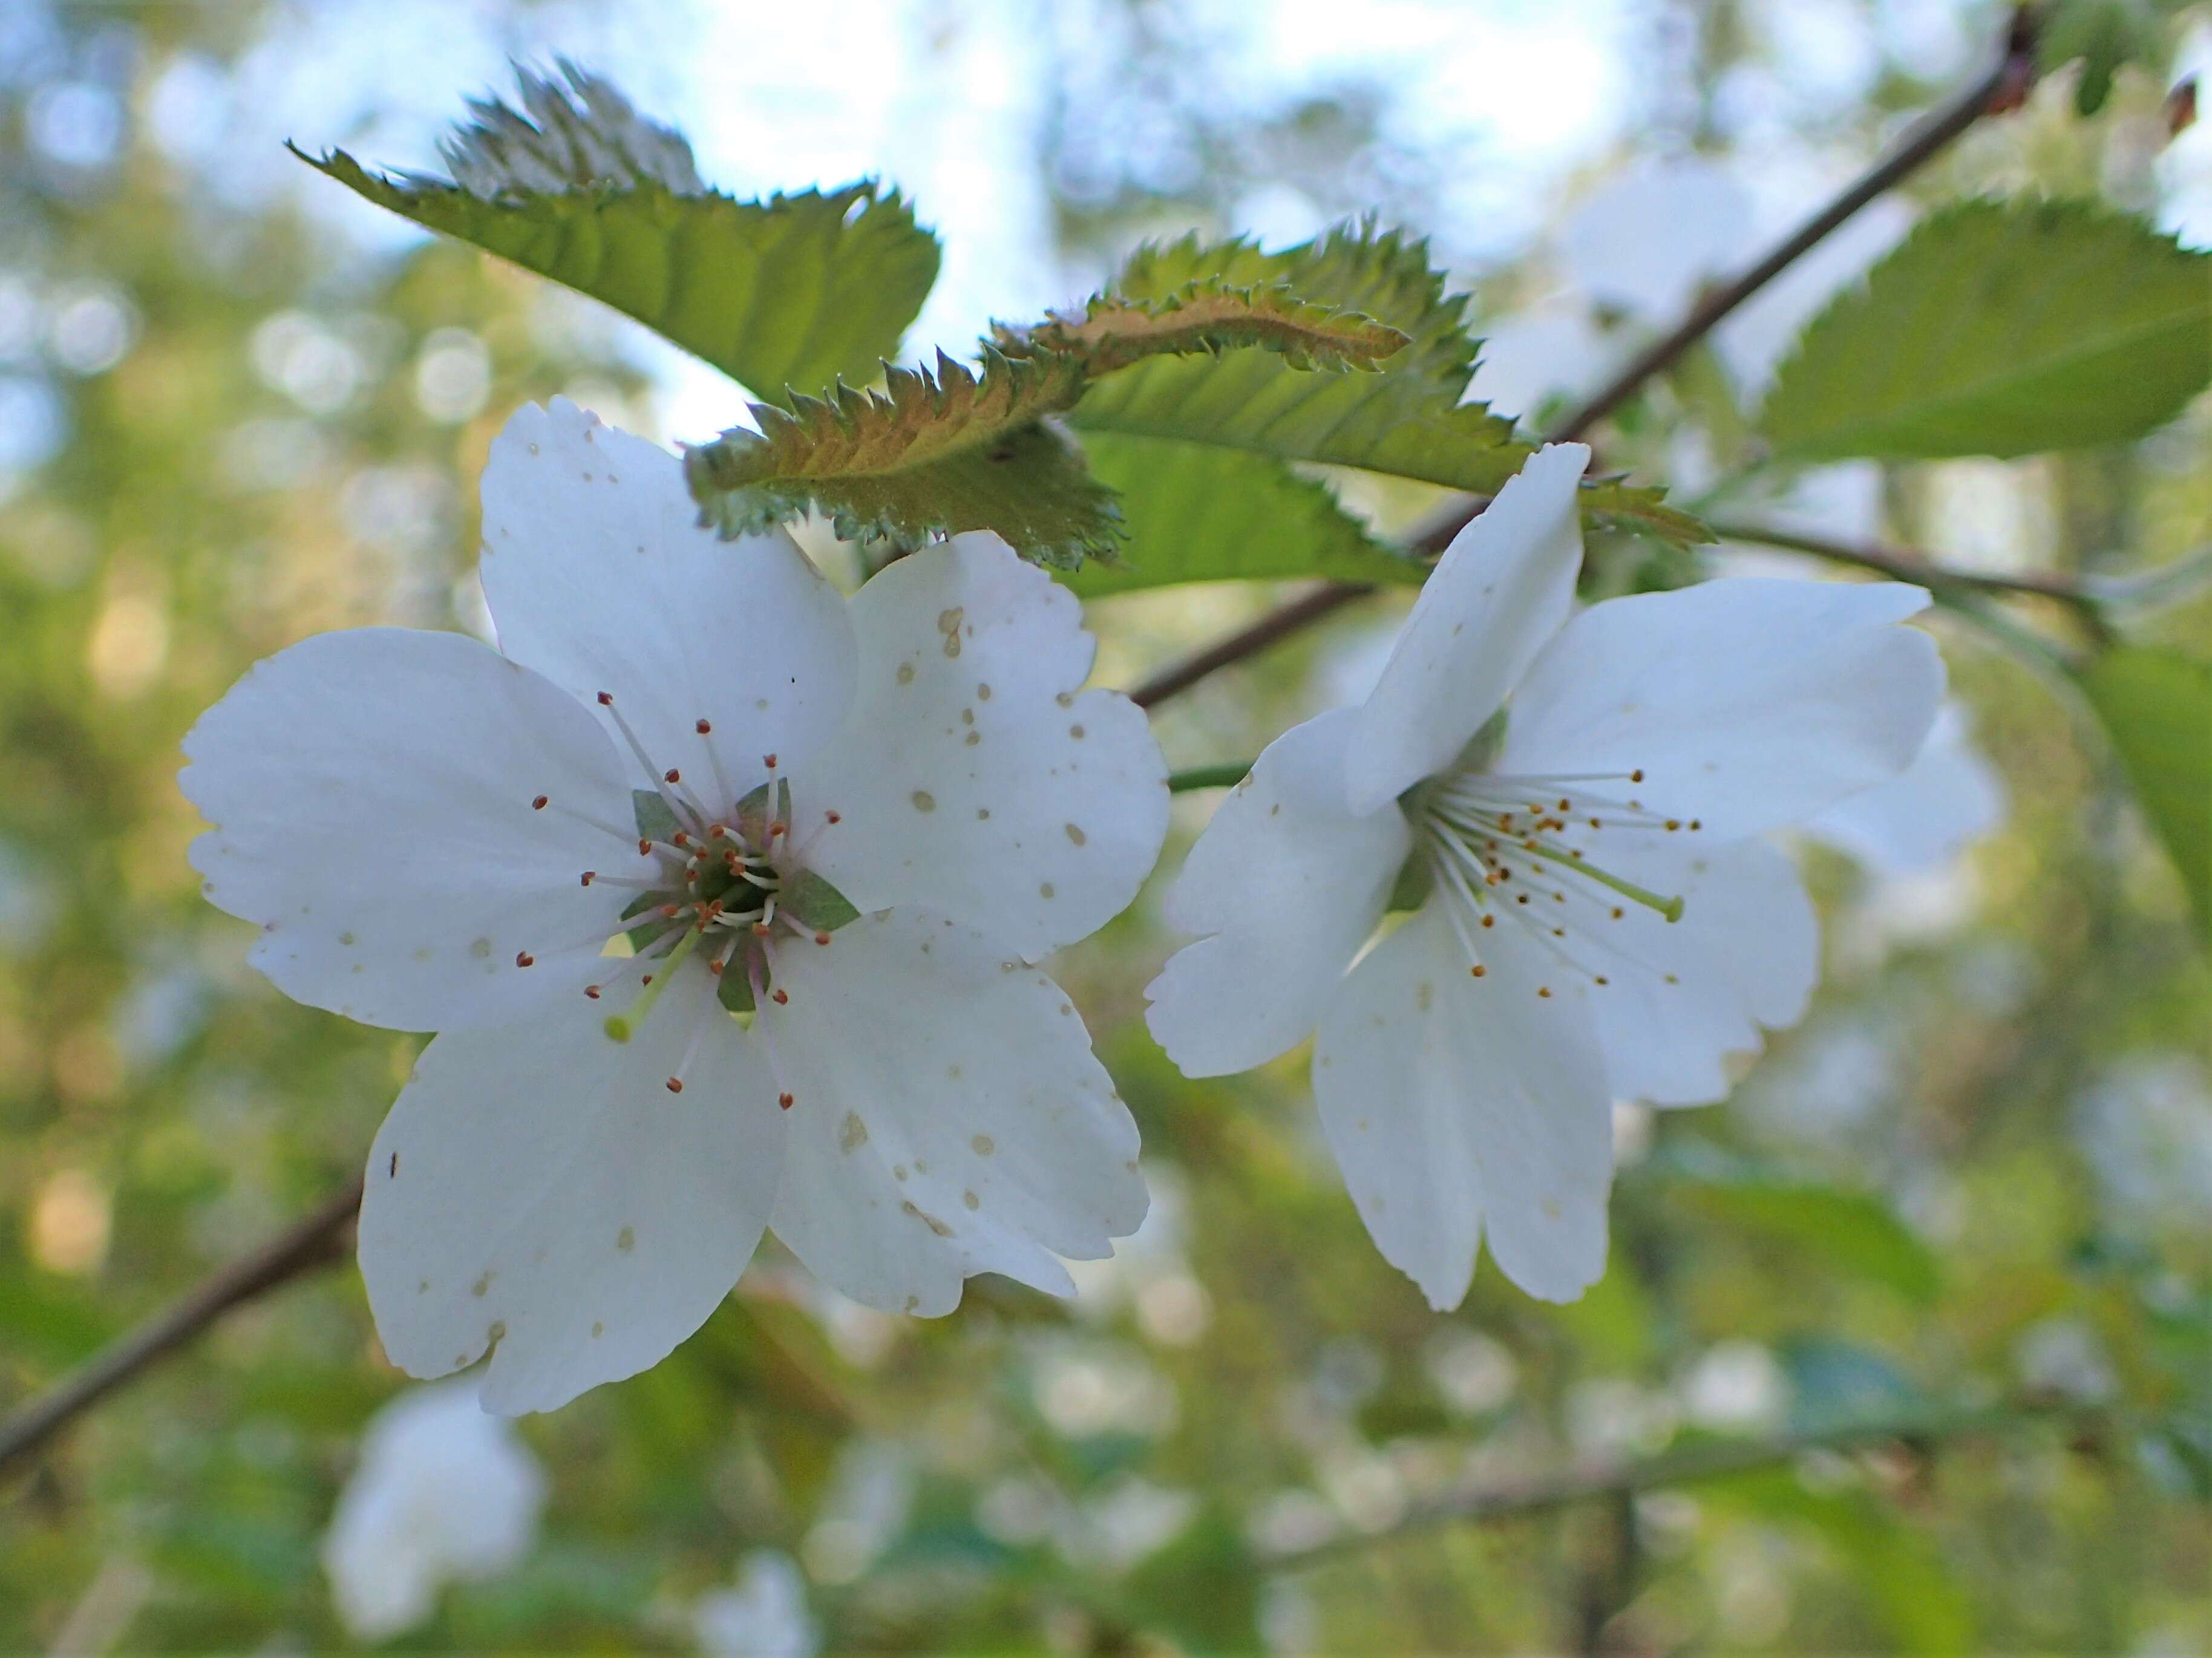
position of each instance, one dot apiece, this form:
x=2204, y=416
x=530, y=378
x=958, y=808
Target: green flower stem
x=1228, y=774
x=1904, y=564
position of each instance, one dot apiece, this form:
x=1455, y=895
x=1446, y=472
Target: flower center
x=721, y=887
x=1520, y=847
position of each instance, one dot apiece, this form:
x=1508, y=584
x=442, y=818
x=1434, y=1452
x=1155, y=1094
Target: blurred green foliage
x=1981, y=1163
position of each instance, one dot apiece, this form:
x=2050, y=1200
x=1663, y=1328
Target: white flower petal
x=599, y=575
x=372, y=797
x=951, y=1118
x=1500, y=591
x=975, y=777
x=538, y=1189
x=1925, y=818
x=1746, y=703
x=1289, y=884
x=1681, y=996
x=1455, y=1105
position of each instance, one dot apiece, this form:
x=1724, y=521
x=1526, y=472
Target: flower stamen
x=681, y=805
x=1485, y=836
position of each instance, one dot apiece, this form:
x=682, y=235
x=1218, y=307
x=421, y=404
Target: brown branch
x=317, y=1239
x=1308, y=607
x=1906, y=565
x=1519, y=1499
x=2000, y=88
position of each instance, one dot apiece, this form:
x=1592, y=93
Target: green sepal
x=1417, y=878
x=765, y=803
x=733, y=988
x=640, y=937
x=811, y=899
x=656, y=820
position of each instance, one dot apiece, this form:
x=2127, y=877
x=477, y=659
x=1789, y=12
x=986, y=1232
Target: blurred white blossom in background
x=2146, y=1127
x=442, y=1493
x=1922, y=819
x=764, y=1616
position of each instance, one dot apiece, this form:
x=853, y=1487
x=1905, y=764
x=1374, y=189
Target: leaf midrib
x=1996, y=384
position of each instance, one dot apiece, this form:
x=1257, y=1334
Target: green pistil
x=620, y=1026
x=1669, y=907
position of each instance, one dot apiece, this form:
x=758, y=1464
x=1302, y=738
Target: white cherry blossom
x=441, y=1493
x=763, y=1616
x=1600, y=918
x=838, y=833
x=1948, y=797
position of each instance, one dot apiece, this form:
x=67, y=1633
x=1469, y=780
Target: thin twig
x=1918, y=568
x=1310, y=606
x=2002, y=87
x=317, y=1239
x=1519, y=1499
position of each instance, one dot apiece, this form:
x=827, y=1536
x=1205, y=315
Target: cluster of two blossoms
x=725, y=895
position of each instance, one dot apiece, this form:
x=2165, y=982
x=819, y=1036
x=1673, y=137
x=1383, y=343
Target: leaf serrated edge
x=1212, y=315
x=1355, y=250
x=406, y=189
x=919, y=417
x=2054, y=211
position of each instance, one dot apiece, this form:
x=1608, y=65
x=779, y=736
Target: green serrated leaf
x=2000, y=328
x=2157, y=707
x=1408, y=420
x=1354, y=267
x=1209, y=316
x=936, y=453
x=570, y=138
x=933, y=455
x=1196, y=513
x=796, y=290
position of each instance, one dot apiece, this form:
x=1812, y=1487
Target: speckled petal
x=949, y=1117
x=538, y=1191
x=373, y=796
x=976, y=775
